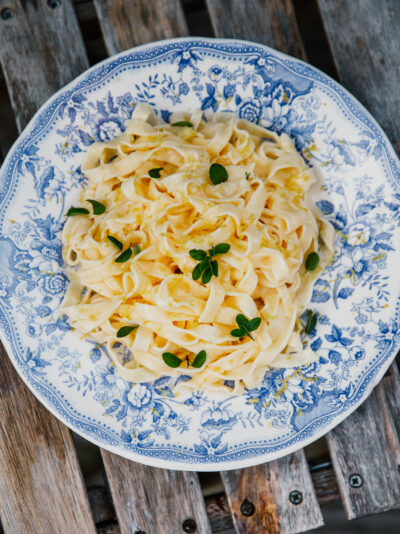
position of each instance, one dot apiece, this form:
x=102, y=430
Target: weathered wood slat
x=277, y=497
x=154, y=500
x=41, y=50
x=365, y=46
x=128, y=23
x=365, y=451
x=364, y=40
x=41, y=486
x=270, y=22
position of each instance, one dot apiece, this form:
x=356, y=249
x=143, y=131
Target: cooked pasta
x=147, y=271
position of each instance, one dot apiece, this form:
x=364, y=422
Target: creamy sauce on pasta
x=261, y=210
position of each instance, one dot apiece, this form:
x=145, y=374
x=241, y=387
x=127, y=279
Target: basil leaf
x=122, y=258
x=247, y=175
x=312, y=261
x=254, y=324
x=115, y=242
x=222, y=248
x=242, y=321
x=218, y=173
x=207, y=274
x=196, y=273
x=98, y=207
x=238, y=332
x=126, y=330
x=171, y=359
x=214, y=267
x=155, y=173
x=199, y=359
x=182, y=123
x=311, y=322
x=137, y=249
x=197, y=254
x=77, y=211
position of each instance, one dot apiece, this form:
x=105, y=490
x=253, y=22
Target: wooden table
x=41, y=486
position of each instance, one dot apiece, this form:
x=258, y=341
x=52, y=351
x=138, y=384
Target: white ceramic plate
x=357, y=298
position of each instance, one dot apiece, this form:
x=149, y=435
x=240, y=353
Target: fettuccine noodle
x=261, y=211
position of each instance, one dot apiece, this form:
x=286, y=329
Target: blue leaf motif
x=72, y=114
x=335, y=357
x=216, y=441
x=161, y=381
x=345, y=293
x=126, y=437
x=325, y=206
x=85, y=138
x=200, y=449
x=391, y=206
x=320, y=296
x=223, y=449
x=382, y=246
x=143, y=435
x=363, y=209
x=335, y=334
x=158, y=411
x=315, y=345
x=383, y=236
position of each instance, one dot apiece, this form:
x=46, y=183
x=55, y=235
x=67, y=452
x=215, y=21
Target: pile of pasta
x=261, y=210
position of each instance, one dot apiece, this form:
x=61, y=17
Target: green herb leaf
x=214, y=267
x=126, y=330
x=247, y=175
x=238, y=332
x=137, y=249
x=254, y=324
x=77, y=211
x=171, y=359
x=312, y=261
x=218, y=173
x=122, y=258
x=222, y=248
x=183, y=123
x=207, y=274
x=197, y=254
x=196, y=273
x=98, y=207
x=311, y=322
x=199, y=359
x=115, y=242
x=155, y=173
x=242, y=321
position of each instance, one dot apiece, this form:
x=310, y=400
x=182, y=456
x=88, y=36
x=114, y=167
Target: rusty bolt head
x=355, y=480
x=247, y=508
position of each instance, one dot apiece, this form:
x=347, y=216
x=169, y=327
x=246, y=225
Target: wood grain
x=269, y=22
x=367, y=444
x=268, y=487
x=41, y=50
x=154, y=500
x=41, y=487
x=128, y=23
x=365, y=44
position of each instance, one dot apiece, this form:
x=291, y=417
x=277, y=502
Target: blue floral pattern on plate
x=356, y=298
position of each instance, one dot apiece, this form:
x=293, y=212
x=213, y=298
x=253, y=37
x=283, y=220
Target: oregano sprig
x=207, y=266
x=126, y=330
x=245, y=326
x=182, y=124
x=312, y=261
x=311, y=322
x=98, y=207
x=172, y=360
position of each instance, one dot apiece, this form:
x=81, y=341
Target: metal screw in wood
x=296, y=497
x=189, y=525
x=54, y=4
x=247, y=508
x=355, y=480
x=7, y=13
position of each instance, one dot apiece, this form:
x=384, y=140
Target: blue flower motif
x=250, y=110
x=53, y=284
x=215, y=73
x=183, y=89
x=51, y=183
x=186, y=58
x=138, y=397
x=196, y=400
x=29, y=160
x=108, y=128
x=229, y=90
x=217, y=418
x=35, y=362
x=34, y=330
